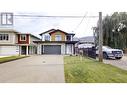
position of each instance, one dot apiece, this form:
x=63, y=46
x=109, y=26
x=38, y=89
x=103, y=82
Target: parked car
x=109, y=52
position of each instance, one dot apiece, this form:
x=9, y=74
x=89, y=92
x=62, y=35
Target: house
x=16, y=43
x=56, y=41
x=86, y=42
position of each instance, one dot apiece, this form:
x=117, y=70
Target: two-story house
x=16, y=43
x=56, y=41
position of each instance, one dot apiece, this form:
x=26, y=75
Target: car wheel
x=105, y=56
x=118, y=57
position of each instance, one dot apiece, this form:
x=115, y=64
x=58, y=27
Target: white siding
x=12, y=38
x=69, y=49
x=9, y=50
x=42, y=37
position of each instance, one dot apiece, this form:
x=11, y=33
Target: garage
x=9, y=50
x=51, y=49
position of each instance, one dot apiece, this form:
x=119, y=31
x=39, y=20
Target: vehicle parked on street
x=109, y=52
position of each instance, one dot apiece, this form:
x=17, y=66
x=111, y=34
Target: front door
x=23, y=50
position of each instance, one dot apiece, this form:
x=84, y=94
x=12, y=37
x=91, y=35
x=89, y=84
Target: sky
x=59, y=8
x=70, y=25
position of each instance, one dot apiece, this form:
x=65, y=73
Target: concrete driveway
x=34, y=69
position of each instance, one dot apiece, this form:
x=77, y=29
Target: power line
x=62, y=16
x=80, y=22
x=86, y=26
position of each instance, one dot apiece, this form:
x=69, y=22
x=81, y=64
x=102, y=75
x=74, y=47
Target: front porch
x=27, y=50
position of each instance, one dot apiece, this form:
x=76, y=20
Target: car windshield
x=106, y=47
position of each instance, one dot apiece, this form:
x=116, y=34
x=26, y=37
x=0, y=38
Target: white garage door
x=9, y=50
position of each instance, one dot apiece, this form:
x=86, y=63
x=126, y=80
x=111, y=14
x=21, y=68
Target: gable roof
x=55, y=30
x=35, y=36
x=51, y=30
x=89, y=39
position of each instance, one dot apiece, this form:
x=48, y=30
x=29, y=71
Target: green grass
x=91, y=71
x=10, y=58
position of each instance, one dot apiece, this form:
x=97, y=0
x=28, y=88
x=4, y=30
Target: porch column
x=19, y=50
x=72, y=49
x=71, y=37
x=27, y=50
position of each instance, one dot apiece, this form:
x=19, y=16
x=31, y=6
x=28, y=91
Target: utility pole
x=94, y=34
x=100, y=38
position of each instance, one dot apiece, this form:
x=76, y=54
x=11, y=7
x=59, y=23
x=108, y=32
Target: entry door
x=69, y=49
x=23, y=50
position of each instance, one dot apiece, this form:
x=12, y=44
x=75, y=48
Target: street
x=122, y=63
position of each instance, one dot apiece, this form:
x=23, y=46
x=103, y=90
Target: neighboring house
x=86, y=42
x=56, y=41
x=16, y=43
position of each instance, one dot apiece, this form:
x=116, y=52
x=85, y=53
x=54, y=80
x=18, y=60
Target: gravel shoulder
x=122, y=63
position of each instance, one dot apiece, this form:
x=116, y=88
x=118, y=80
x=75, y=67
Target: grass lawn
x=10, y=58
x=91, y=71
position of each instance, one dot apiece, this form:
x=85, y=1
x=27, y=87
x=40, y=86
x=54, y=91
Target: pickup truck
x=109, y=52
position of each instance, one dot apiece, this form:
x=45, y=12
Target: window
x=58, y=38
x=68, y=38
x=4, y=37
x=23, y=37
x=47, y=37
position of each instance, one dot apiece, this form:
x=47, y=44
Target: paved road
x=122, y=63
x=34, y=69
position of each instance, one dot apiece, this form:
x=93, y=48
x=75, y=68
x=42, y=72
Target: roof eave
x=67, y=42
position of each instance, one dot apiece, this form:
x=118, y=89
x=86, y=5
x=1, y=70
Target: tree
x=115, y=30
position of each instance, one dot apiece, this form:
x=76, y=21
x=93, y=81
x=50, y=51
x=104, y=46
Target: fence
x=90, y=52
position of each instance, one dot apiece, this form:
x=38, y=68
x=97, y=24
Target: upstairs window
x=4, y=37
x=58, y=38
x=68, y=38
x=47, y=37
x=23, y=37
